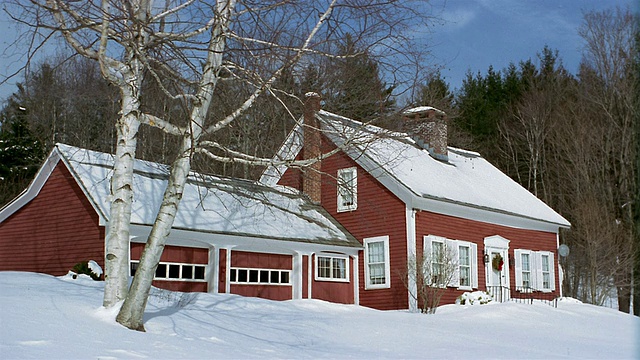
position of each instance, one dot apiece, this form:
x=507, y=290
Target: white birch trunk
x=117, y=237
x=132, y=310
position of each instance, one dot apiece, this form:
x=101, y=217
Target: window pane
x=463, y=252
x=242, y=275
x=199, y=273
x=161, y=271
x=324, y=267
x=264, y=276
x=134, y=267
x=465, y=276
x=339, y=269
x=187, y=271
x=545, y=262
x=376, y=252
x=525, y=263
x=253, y=276
x=232, y=275
x=437, y=252
x=275, y=276
x=376, y=274
x=284, y=277
x=174, y=271
x=546, y=280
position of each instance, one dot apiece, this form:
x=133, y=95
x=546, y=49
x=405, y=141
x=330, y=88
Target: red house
x=408, y=194
x=229, y=236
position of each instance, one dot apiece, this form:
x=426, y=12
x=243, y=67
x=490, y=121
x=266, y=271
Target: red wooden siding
x=54, y=231
x=379, y=213
x=246, y=259
x=222, y=271
x=305, y=276
x=428, y=223
x=338, y=292
x=175, y=254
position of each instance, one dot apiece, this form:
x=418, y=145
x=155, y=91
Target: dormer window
x=347, y=189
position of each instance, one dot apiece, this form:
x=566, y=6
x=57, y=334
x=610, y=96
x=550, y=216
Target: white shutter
x=426, y=259
x=536, y=269
x=474, y=265
x=452, y=250
x=552, y=274
x=518, y=264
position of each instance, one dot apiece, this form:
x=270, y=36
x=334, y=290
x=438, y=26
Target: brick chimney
x=311, y=176
x=428, y=127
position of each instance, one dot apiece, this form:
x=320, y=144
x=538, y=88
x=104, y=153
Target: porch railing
x=524, y=295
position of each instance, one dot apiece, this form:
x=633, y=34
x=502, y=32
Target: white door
x=497, y=280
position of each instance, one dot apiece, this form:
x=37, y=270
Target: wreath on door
x=497, y=262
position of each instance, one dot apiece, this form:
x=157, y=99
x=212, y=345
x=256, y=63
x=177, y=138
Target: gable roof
x=209, y=204
x=466, y=185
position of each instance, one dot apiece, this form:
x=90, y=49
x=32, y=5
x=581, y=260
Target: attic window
x=347, y=189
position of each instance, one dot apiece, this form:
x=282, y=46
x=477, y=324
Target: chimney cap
x=422, y=110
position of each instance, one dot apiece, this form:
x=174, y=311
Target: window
x=534, y=270
x=438, y=262
x=546, y=278
x=175, y=271
x=251, y=276
x=332, y=268
x=347, y=189
x=464, y=265
x=451, y=262
x=377, y=269
x=526, y=270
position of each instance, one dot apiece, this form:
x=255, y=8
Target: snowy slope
x=60, y=318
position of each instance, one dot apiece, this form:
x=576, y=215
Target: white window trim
x=340, y=185
x=317, y=276
x=535, y=269
x=238, y=269
x=453, y=247
x=387, y=267
x=182, y=265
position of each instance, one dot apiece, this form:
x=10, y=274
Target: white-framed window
x=534, y=270
x=175, y=271
x=347, y=189
x=452, y=262
x=464, y=265
x=377, y=270
x=332, y=268
x=253, y=276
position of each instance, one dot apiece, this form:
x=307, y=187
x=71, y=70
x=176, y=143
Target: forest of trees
x=570, y=139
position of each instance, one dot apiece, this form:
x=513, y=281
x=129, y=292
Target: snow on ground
x=61, y=318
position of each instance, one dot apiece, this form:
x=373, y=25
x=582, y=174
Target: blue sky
x=478, y=33
x=471, y=35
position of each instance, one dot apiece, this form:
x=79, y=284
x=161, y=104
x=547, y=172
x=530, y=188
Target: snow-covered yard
x=47, y=317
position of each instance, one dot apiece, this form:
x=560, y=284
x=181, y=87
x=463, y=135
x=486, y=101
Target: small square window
x=242, y=275
x=161, y=271
x=253, y=276
x=199, y=273
x=264, y=276
x=275, y=276
x=187, y=272
x=284, y=277
x=174, y=271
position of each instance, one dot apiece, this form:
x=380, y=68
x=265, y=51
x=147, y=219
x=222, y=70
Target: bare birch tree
x=189, y=48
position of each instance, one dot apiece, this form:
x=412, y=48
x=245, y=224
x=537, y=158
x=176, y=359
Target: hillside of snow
x=45, y=317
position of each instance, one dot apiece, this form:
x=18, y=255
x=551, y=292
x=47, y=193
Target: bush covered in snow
x=90, y=268
x=474, y=298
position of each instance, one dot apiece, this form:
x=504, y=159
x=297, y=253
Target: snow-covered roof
x=466, y=185
x=209, y=204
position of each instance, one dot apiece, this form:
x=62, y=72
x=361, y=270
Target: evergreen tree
x=354, y=86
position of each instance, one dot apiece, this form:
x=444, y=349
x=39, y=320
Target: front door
x=497, y=267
